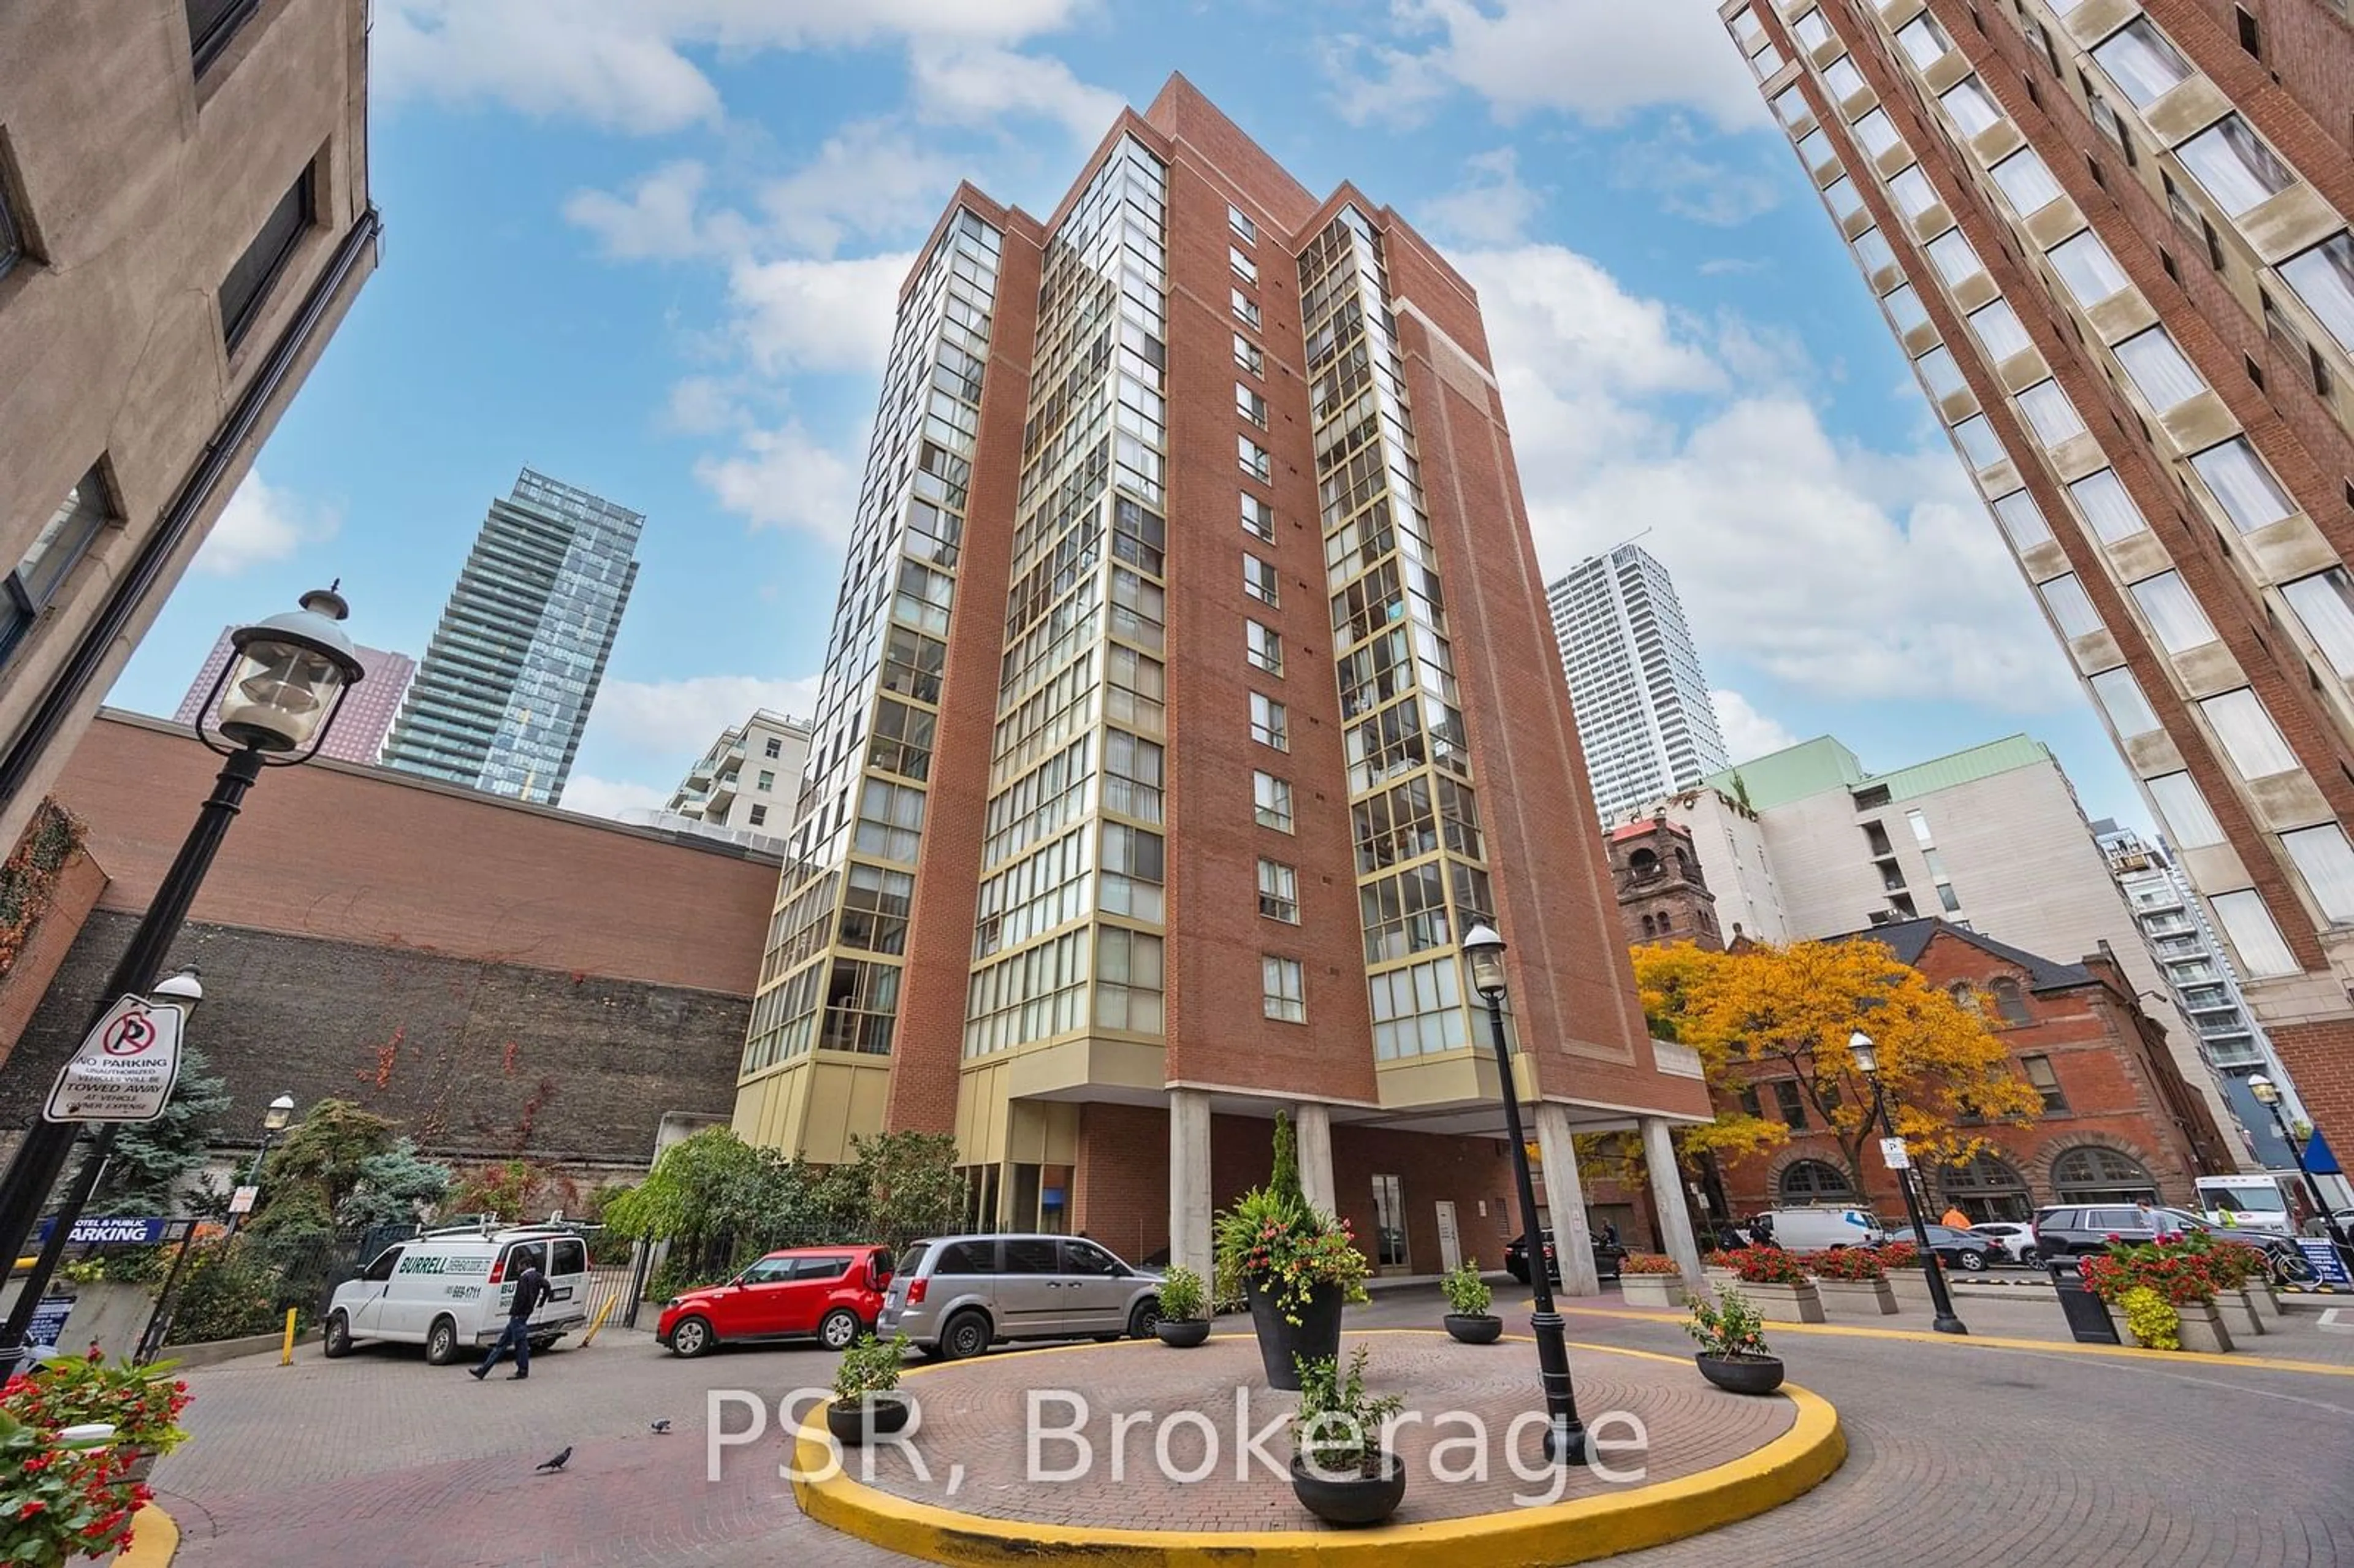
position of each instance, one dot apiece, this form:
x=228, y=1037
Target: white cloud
x=679, y=719
x=261, y=523
x=1748, y=734
x=868, y=179
x=1492, y=207
x=597, y=796
x=1716, y=265
x=658, y=218
x=623, y=64
x=1689, y=186
x=701, y=406
x=1596, y=60
x=975, y=84
x=797, y=314
x=785, y=479
x=1835, y=570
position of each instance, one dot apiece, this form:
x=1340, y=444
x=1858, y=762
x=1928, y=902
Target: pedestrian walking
x=2161, y=1223
x=1956, y=1218
x=1761, y=1231
x=531, y=1289
x=1610, y=1233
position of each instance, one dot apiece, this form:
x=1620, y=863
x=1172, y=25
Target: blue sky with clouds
x=649, y=246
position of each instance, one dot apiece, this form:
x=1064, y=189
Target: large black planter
x=877, y=1414
x=1316, y=1336
x=1183, y=1334
x=1350, y=1502
x=1741, y=1374
x=1474, y=1327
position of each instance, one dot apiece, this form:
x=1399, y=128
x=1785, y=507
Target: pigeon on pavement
x=663, y=1426
x=562, y=1458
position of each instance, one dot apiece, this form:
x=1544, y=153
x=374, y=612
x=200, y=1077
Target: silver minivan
x=956, y=1295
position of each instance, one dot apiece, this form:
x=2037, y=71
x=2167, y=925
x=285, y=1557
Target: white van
x=448, y=1290
x=1819, y=1230
x=2259, y=1201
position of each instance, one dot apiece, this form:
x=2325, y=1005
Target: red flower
x=31, y=1507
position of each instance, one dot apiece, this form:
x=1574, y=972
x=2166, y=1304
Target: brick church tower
x=1662, y=894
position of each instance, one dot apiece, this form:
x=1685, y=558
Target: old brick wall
x=475, y=1059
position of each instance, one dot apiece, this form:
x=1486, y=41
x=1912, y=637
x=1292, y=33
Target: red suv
x=830, y=1294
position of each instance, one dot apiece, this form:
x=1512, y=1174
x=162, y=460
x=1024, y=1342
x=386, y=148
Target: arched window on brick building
x=1987, y=1187
x=1805, y=1181
x=2090, y=1173
x=2010, y=1001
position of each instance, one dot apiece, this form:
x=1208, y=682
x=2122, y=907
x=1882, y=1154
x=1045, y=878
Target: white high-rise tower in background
x=1644, y=715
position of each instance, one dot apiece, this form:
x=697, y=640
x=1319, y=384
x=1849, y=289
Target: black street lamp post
x=1941, y=1302
x=2268, y=1095
x=278, y=697
x=1564, y=1442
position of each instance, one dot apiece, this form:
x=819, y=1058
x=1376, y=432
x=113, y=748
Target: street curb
x=1580, y=1532
x=211, y=1352
x=2002, y=1342
x=154, y=1540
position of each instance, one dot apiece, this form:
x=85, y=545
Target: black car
x=1965, y=1250
x=1607, y=1258
x=2072, y=1230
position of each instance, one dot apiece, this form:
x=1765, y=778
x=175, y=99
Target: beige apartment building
x=749, y=778
x=184, y=220
x=1990, y=838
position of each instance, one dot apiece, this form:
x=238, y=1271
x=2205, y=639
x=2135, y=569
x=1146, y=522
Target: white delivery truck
x=448, y=1290
x=2258, y=1201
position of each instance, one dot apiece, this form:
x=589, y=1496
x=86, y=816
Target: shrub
x=1180, y=1295
x=1466, y=1293
x=1655, y=1263
x=2151, y=1319
x=1719, y=1257
x=226, y=1292
x=1767, y=1265
x=1273, y=1238
x=1898, y=1255
x=1845, y=1263
x=870, y=1366
x=1339, y=1431
x=1729, y=1327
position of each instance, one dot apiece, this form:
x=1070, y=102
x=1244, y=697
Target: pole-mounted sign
x=125, y=1068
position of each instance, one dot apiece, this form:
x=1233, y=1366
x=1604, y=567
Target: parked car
x=956, y=1295
x=830, y=1294
x=448, y=1290
x=2070, y=1230
x=2017, y=1236
x=1956, y=1248
x=1607, y=1256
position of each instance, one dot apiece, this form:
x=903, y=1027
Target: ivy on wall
x=28, y=880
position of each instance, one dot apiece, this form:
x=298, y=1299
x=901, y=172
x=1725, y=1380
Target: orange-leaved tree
x=1773, y=1013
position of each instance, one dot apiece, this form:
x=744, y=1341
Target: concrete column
x=1572, y=1240
x=1313, y=1127
x=1189, y=1181
x=1668, y=1198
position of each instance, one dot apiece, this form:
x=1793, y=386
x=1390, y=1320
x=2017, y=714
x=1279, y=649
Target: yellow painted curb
x=155, y=1539
x=1998, y=1342
x=1578, y=1531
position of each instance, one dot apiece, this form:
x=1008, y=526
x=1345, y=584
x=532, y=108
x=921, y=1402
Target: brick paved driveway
x=1957, y=1455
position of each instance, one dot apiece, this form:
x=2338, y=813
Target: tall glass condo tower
x=505, y=691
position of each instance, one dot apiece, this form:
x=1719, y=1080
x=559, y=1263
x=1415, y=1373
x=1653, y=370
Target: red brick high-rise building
x=1191, y=691
x=2113, y=238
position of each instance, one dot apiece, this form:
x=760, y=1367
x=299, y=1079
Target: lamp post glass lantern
x=1865, y=1055
x=2267, y=1095
x=276, y=701
x=1565, y=1441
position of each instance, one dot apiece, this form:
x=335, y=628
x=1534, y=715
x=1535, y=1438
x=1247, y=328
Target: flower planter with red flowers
x=1852, y=1279
x=2188, y=1272
x=77, y=1435
x=1777, y=1282
x=1294, y=1265
x=1647, y=1279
